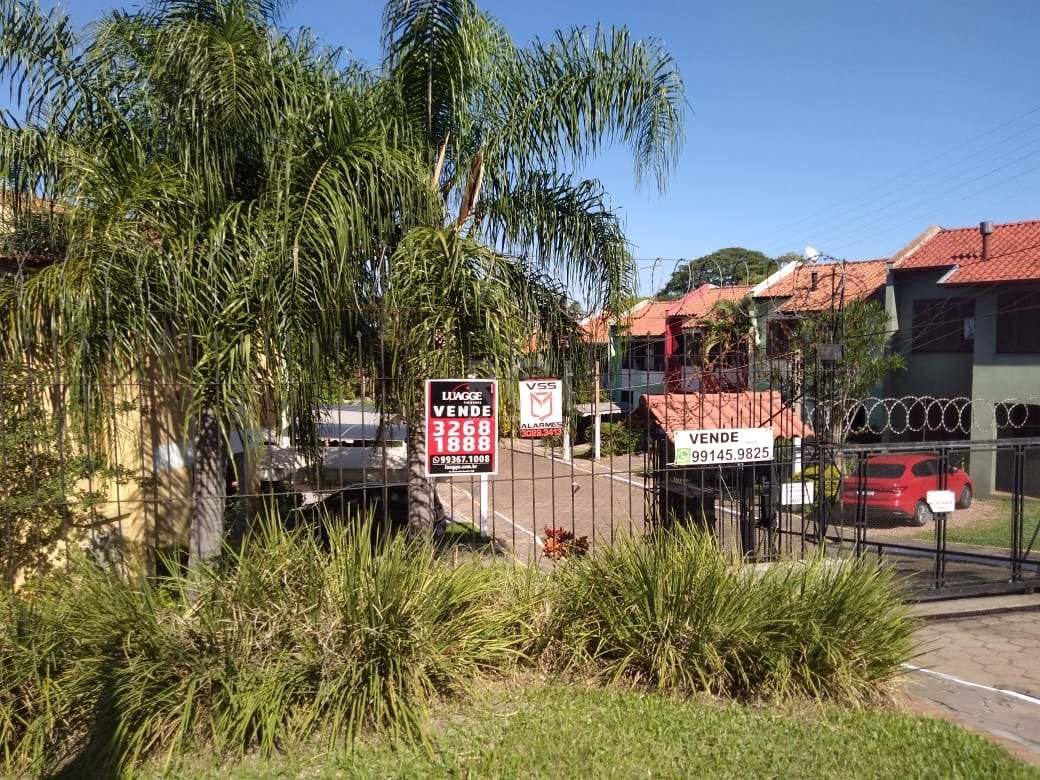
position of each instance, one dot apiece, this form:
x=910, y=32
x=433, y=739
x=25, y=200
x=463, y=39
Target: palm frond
x=579, y=91
x=567, y=226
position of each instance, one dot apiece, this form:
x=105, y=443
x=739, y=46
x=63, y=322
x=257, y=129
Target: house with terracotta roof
x=638, y=347
x=966, y=309
x=809, y=288
x=692, y=362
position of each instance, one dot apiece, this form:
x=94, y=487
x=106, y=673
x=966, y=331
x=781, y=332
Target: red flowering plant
x=560, y=543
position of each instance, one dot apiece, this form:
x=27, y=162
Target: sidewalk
x=978, y=664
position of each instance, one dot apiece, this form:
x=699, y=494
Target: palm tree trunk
x=420, y=496
x=209, y=489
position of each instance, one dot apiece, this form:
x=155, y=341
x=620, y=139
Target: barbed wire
x=930, y=414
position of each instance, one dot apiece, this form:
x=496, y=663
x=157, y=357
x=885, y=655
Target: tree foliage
x=221, y=187
x=726, y=343
x=237, y=204
x=500, y=128
x=861, y=328
x=734, y=265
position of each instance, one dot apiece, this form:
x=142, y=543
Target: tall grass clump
x=843, y=633
x=34, y=648
x=292, y=642
x=676, y=614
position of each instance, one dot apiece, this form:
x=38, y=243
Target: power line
x=818, y=216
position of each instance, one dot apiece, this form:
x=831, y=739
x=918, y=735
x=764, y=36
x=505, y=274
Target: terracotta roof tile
x=595, y=328
x=691, y=411
x=699, y=303
x=862, y=279
x=1014, y=254
x=647, y=320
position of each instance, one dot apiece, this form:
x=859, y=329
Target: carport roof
x=692, y=411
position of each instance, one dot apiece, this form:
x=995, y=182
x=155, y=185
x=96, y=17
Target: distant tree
x=734, y=265
x=837, y=388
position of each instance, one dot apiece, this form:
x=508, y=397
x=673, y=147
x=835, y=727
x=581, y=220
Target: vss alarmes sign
x=461, y=427
x=541, y=408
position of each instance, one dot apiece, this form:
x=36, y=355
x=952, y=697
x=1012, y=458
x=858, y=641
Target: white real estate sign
x=721, y=446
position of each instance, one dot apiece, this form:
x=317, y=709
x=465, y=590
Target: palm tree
x=499, y=130
x=221, y=189
x=727, y=344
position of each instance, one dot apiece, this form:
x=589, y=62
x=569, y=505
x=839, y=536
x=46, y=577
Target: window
x=780, y=336
x=926, y=468
x=884, y=470
x=1018, y=322
x=646, y=354
x=944, y=325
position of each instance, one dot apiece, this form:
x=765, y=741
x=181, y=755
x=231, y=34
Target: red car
x=896, y=486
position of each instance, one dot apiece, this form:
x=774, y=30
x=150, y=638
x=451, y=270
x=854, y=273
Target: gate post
x=747, y=516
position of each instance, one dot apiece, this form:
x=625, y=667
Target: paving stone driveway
x=984, y=672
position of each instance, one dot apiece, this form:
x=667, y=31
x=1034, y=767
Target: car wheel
x=922, y=514
x=965, y=499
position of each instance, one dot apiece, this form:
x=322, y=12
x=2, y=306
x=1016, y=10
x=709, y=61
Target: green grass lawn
x=537, y=731
x=994, y=532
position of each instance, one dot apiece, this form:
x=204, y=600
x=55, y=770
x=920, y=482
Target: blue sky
x=848, y=125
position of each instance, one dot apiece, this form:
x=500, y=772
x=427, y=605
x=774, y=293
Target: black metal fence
x=614, y=473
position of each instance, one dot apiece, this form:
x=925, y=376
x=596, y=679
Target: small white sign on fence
x=940, y=500
x=796, y=493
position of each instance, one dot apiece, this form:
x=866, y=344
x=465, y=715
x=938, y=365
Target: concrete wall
x=997, y=377
x=937, y=374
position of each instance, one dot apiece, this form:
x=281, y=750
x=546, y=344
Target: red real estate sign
x=461, y=427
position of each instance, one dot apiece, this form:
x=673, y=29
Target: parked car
x=895, y=486
x=386, y=504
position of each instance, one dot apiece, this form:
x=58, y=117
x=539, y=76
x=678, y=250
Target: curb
x=954, y=609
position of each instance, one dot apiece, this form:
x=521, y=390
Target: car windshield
x=885, y=470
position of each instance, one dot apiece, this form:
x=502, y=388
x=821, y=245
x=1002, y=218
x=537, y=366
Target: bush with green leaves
x=675, y=613
x=618, y=439
x=296, y=642
x=292, y=643
x=831, y=479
